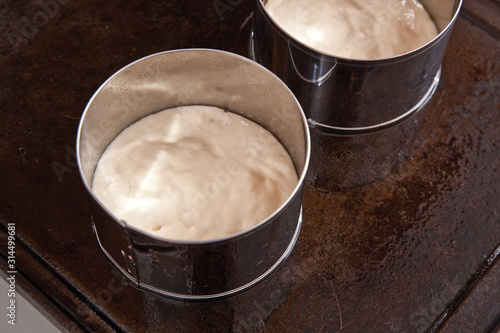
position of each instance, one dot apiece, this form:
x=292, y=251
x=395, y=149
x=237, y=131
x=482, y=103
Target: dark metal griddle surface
x=411, y=250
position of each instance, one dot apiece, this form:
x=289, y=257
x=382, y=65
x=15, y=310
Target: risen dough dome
x=355, y=29
x=194, y=173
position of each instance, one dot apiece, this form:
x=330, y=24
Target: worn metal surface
x=409, y=247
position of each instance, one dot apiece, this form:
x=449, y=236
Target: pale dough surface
x=194, y=173
x=355, y=29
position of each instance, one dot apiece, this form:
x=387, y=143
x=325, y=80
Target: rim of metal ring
x=136, y=283
x=352, y=131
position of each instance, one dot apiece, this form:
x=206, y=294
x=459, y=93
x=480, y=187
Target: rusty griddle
x=401, y=230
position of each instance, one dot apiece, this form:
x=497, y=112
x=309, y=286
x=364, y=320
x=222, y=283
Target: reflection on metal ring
x=351, y=131
x=315, y=81
x=131, y=276
x=137, y=283
x=252, y=50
